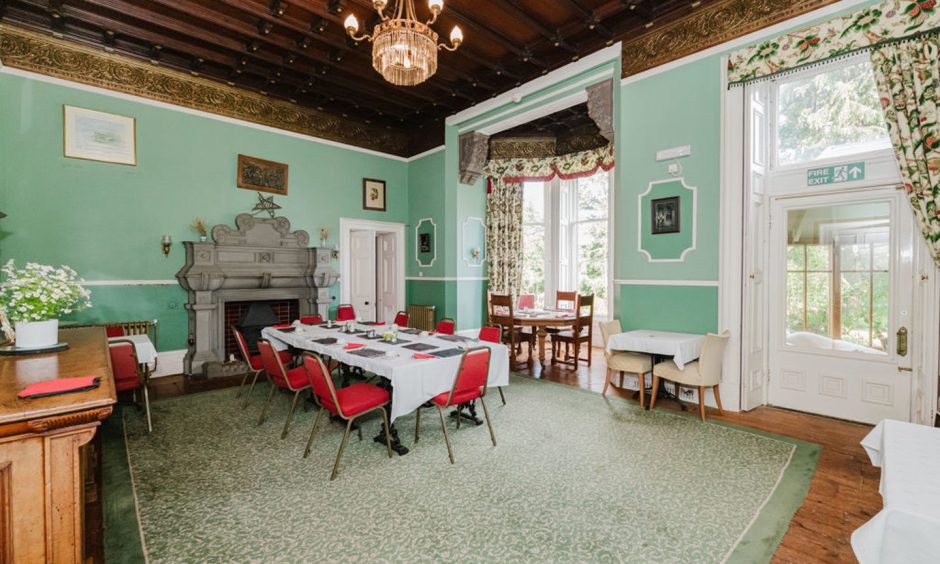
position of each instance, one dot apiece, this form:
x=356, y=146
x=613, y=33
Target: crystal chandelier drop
x=404, y=50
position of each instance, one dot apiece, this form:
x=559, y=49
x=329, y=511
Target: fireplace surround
x=261, y=259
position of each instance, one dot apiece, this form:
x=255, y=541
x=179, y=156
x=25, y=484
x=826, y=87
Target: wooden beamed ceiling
x=297, y=50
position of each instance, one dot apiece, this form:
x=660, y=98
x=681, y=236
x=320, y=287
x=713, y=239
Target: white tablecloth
x=907, y=529
x=146, y=352
x=682, y=347
x=413, y=381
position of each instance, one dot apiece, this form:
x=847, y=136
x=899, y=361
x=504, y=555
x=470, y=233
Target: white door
x=840, y=278
x=387, y=264
x=362, y=273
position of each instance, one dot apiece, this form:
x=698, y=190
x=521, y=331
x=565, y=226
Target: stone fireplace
x=259, y=261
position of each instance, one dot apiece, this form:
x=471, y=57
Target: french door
x=840, y=286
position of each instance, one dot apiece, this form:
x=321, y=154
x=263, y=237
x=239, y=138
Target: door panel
x=388, y=289
x=362, y=273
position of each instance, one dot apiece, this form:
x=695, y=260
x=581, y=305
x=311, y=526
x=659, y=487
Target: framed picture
x=665, y=217
x=98, y=136
x=261, y=175
x=373, y=194
x=424, y=242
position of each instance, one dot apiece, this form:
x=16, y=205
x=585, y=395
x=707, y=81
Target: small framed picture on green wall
x=98, y=136
x=373, y=194
x=665, y=215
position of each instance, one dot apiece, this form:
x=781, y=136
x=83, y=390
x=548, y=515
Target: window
x=565, y=239
x=830, y=114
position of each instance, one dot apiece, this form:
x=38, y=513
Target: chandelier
x=404, y=50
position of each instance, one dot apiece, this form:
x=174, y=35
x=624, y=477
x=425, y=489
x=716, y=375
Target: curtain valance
x=885, y=22
x=566, y=167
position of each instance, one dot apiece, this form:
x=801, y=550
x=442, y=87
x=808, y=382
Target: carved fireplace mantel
x=260, y=259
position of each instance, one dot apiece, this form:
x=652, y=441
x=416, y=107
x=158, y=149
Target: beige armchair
x=633, y=363
x=703, y=373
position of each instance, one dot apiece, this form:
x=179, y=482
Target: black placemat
x=377, y=337
x=368, y=353
x=411, y=331
x=447, y=352
x=420, y=347
x=325, y=341
x=455, y=338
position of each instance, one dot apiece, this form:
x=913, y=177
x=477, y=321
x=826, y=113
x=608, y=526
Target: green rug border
x=123, y=535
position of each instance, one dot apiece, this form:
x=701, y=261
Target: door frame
x=348, y=225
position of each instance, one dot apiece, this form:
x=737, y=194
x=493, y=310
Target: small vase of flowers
x=34, y=298
x=199, y=226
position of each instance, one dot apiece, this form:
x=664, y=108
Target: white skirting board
x=169, y=363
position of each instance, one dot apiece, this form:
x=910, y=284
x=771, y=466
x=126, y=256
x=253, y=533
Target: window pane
x=881, y=283
x=592, y=263
x=796, y=257
x=829, y=115
x=818, y=296
x=533, y=262
x=592, y=196
x=855, y=308
x=818, y=257
x=533, y=202
x=795, y=306
x=855, y=257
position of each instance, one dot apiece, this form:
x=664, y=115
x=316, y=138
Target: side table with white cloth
x=681, y=347
x=907, y=529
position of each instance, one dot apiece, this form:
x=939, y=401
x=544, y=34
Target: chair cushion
x=296, y=378
x=125, y=384
x=460, y=396
x=635, y=363
x=255, y=361
x=360, y=398
x=688, y=376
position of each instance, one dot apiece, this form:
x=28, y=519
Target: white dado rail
x=261, y=259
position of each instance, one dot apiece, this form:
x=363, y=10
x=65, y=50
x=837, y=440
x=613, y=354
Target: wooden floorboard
x=843, y=494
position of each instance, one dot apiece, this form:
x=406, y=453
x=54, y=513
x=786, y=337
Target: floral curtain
x=887, y=21
x=908, y=78
x=566, y=167
x=504, y=237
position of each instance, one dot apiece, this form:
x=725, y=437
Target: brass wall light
x=166, y=243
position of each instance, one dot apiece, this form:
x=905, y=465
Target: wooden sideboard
x=41, y=455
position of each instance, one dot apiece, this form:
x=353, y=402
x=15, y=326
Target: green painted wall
x=106, y=220
x=686, y=309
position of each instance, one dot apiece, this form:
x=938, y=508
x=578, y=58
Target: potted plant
x=199, y=226
x=35, y=296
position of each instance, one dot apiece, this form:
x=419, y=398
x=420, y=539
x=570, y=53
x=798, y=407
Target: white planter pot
x=35, y=334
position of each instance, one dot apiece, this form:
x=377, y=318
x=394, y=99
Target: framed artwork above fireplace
x=262, y=175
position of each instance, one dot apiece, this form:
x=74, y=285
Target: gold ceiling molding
x=40, y=53
x=522, y=147
x=712, y=24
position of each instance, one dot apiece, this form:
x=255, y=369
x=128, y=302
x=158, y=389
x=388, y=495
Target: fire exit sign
x=836, y=174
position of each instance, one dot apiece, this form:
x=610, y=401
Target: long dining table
x=413, y=380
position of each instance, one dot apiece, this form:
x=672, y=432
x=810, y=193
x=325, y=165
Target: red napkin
x=376, y=324
x=353, y=346
x=282, y=326
x=59, y=386
x=422, y=356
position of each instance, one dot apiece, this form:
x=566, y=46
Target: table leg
x=471, y=414
x=542, y=333
x=401, y=449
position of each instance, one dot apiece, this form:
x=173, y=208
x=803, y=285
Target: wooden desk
x=41, y=461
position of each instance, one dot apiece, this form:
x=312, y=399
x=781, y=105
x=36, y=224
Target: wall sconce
x=475, y=253
x=334, y=254
x=324, y=235
x=166, y=243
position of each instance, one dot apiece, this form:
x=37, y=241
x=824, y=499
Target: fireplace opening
x=251, y=317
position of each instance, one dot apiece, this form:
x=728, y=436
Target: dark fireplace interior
x=252, y=317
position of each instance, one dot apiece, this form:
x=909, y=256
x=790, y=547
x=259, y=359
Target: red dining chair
x=469, y=385
x=446, y=326
x=345, y=312
x=402, y=318
x=347, y=403
x=294, y=380
x=115, y=331
x=493, y=334
x=127, y=374
x=311, y=319
x=526, y=301
x=254, y=363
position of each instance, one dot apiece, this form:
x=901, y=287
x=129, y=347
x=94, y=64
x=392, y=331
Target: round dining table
x=540, y=320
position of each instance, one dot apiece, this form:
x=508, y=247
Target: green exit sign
x=836, y=174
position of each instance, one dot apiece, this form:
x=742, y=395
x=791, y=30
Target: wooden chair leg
x=313, y=432
x=450, y=450
x=621, y=378
x=590, y=353
x=607, y=381
x=655, y=389
x=701, y=402
x=641, y=383
x=718, y=399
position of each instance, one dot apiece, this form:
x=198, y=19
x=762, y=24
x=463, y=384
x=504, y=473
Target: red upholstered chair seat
x=255, y=361
x=357, y=399
x=114, y=331
x=126, y=384
x=460, y=396
x=296, y=377
x=311, y=319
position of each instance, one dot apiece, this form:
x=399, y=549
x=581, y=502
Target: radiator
x=421, y=317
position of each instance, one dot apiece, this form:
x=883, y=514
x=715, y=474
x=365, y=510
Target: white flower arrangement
x=39, y=292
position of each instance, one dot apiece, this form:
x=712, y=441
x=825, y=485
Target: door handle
x=367, y=303
x=902, y=341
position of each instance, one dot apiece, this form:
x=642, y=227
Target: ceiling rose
x=404, y=50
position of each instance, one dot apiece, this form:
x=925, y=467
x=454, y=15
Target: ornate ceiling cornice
x=522, y=147
x=710, y=25
x=39, y=53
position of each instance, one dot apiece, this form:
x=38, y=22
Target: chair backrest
x=271, y=362
x=401, y=319
x=713, y=353
x=321, y=383
x=473, y=372
x=565, y=300
x=585, y=311
x=115, y=331
x=491, y=333
x=311, y=319
x=345, y=312
x=446, y=326
x=526, y=301
x=608, y=329
x=124, y=365
x=242, y=344
x=500, y=309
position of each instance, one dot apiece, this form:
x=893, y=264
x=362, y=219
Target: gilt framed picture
x=665, y=215
x=262, y=175
x=98, y=136
x=373, y=194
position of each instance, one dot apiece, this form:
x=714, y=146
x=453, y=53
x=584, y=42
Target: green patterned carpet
x=574, y=478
